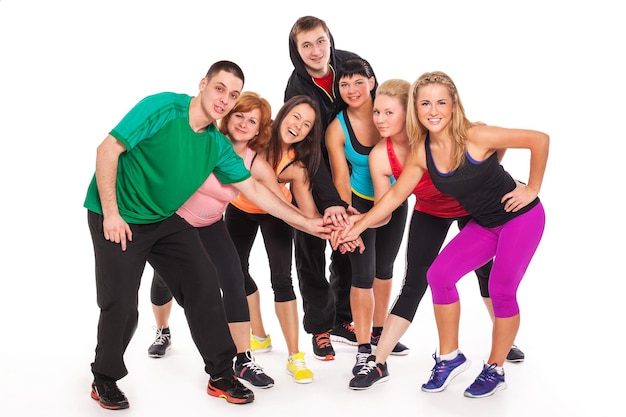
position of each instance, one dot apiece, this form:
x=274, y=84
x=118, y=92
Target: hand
x=351, y=232
x=317, y=227
x=352, y=211
x=336, y=215
x=519, y=198
x=351, y=246
x=117, y=230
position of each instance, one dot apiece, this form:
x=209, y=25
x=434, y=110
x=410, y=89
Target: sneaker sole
x=498, y=387
x=328, y=357
x=299, y=381
x=515, y=360
x=95, y=396
x=456, y=372
x=383, y=379
x=251, y=385
x=215, y=392
x=156, y=355
x=341, y=339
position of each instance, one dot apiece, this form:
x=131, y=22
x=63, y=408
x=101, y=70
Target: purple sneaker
x=444, y=372
x=487, y=383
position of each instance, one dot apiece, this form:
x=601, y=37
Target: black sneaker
x=252, y=373
x=322, y=349
x=362, y=356
x=231, y=389
x=398, y=350
x=109, y=395
x=370, y=374
x=515, y=355
x=162, y=343
x=344, y=333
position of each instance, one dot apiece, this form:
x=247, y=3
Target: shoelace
x=349, y=327
x=439, y=367
x=298, y=363
x=251, y=365
x=323, y=340
x=488, y=374
x=367, y=368
x=161, y=337
x=361, y=359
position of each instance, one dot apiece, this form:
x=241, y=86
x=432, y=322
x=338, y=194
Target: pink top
x=206, y=206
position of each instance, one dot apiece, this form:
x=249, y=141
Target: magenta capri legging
x=512, y=246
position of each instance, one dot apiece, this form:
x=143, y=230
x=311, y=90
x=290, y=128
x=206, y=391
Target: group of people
x=184, y=183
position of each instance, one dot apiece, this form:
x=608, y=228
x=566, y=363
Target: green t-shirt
x=165, y=161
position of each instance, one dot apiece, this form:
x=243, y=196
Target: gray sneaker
x=162, y=343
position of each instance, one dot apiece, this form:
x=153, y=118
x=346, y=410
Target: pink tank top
x=428, y=199
x=206, y=206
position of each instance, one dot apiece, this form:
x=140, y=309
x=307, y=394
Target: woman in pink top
x=248, y=127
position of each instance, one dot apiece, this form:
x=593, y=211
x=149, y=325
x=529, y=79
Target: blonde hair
x=397, y=88
x=459, y=125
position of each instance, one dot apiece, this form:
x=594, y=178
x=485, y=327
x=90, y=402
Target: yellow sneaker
x=260, y=345
x=298, y=370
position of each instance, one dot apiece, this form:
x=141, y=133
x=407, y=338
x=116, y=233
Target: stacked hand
x=340, y=221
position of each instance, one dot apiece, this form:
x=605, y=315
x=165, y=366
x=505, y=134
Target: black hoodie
x=301, y=83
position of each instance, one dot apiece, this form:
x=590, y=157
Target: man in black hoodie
x=327, y=314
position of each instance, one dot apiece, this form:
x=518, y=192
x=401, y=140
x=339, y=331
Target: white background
x=69, y=70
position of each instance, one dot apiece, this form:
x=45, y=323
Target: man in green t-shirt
x=146, y=168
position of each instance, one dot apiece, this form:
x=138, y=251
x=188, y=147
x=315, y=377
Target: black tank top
x=478, y=186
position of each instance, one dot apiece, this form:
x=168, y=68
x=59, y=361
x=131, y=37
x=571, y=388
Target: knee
x=504, y=306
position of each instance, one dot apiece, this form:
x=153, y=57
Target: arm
x=537, y=142
x=411, y=175
x=300, y=187
x=107, y=156
x=380, y=170
x=301, y=190
x=335, y=143
x=263, y=173
x=261, y=196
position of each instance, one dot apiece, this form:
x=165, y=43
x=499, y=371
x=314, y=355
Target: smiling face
x=244, y=126
x=356, y=89
x=314, y=49
x=434, y=107
x=389, y=115
x=297, y=124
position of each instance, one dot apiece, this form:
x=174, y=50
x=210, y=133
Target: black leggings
x=426, y=236
x=381, y=246
x=223, y=255
x=278, y=238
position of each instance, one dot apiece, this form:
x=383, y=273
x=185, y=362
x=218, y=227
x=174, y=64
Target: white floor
x=45, y=365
